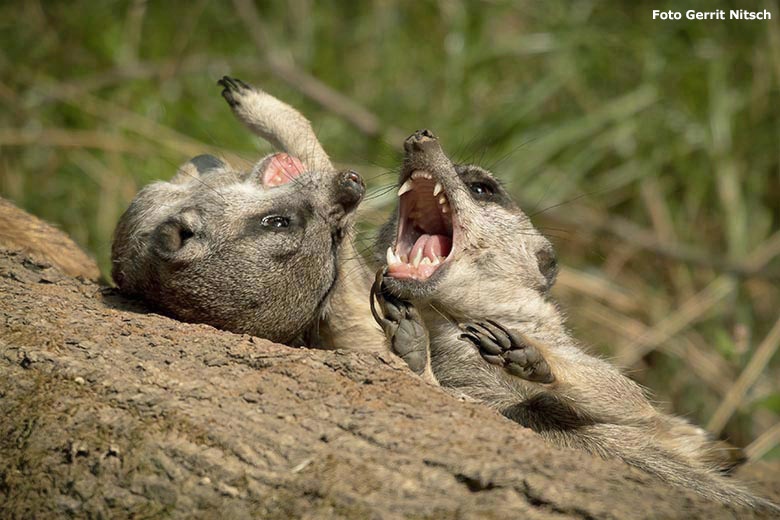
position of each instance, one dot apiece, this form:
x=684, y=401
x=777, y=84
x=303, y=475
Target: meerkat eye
x=480, y=190
x=275, y=222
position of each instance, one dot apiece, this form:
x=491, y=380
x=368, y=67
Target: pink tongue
x=282, y=169
x=432, y=246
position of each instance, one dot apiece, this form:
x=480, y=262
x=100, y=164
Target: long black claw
x=471, y=338
x=498, y=333
x=402, y=324
x=509, y=349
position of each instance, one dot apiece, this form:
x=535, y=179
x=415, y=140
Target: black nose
x=420, y=141
x=349, y=189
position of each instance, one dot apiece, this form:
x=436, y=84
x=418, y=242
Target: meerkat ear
x=547, y=263
x=196, y=167
x=175, y=234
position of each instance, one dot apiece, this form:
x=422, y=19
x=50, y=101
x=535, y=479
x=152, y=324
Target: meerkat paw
x=403, y=326
x=508, y=348
x=234, y=90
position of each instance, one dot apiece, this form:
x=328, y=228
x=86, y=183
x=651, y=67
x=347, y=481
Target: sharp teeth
x=445, y=208
x=417, y=258
x=437, y=189
x=407, y=186
x=436, y=260
x=443, y=199
x=390, y=256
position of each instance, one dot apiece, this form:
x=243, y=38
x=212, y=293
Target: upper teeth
x=444, y=203
x=392, y=258
x=418, y=174
x=407, y=186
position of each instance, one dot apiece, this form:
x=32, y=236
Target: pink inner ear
x=282, y=169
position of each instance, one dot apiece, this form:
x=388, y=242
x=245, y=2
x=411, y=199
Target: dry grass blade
x=696, y=307
x=73, y=138
x=596, y=287
x=764, y=253
x=625, y=230
x=330, y=99
x=765, y=442
x=737, y=392
x=676, y=321
x=129, y=120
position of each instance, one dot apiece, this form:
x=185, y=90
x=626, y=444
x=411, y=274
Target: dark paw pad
x=403, y=326
x=508, y=349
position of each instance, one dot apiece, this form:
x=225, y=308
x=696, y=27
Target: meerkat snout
x=350, y=189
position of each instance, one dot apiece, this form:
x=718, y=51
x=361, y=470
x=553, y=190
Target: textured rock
x=109, y=410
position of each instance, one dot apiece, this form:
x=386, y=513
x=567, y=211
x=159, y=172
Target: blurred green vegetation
x=648, y=151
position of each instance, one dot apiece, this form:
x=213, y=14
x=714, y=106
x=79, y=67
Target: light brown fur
x=499, y=272
x=346, y=321
x=302, y=284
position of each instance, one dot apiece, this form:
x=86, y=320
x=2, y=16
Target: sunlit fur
x=345, y=320
x=293, y=286
x=502, y=269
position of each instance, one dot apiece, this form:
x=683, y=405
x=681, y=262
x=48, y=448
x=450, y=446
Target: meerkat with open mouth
x=464, y=300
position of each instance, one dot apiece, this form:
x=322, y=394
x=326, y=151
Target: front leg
x=589, y=387
x=508, y=349
x=276, y=122
x=404, y=329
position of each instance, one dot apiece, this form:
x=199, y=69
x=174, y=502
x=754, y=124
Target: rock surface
x=109, y=410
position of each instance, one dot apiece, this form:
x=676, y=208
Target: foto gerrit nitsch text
x=719, y=14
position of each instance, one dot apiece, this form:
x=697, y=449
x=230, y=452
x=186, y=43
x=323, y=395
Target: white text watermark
x=720, y=14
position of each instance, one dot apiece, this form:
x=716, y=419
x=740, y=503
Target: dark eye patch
x=482, y=186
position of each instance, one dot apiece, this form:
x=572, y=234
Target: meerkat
x=345, y=320
x=42, y=242
x=264, y=252
x=464, y=299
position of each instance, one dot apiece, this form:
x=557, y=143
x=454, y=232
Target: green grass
x=590, y=109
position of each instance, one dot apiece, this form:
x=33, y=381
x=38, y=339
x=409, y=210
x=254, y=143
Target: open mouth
x=282, y=169
x=425, y=229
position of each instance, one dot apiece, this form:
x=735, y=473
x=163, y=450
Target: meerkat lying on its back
x=258, y=252
x=464, y=300
x=345, y=320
